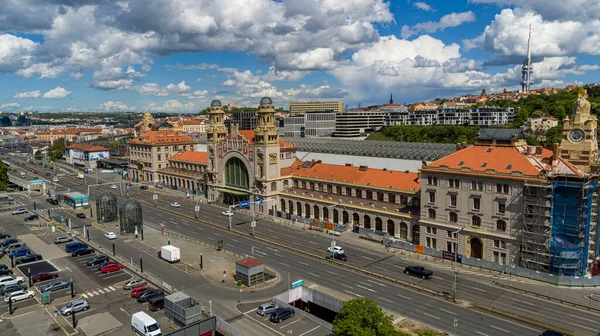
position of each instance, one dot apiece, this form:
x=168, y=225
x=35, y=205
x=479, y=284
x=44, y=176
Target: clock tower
x=579, y=145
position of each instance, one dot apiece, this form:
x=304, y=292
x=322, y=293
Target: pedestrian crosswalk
x=98, y=291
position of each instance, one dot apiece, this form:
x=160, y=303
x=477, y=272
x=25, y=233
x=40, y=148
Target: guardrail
x=547, y=297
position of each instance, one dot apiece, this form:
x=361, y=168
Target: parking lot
x=297, y=325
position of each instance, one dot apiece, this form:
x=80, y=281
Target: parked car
x=52, y=201
x=19, y=296
x=31, y=217
x=138, y=290
x=44, y=276
x=3, y=266
x=19, y=211
x=111, y=268
x=114, y=186
x=75, y=306
x=134, y=283
x=97, y=259
x=8, y=241
x=5, y=272
x=110, y=235
x=82, y=251
x=21, y=252
x=55, y=179
x=266, y=308
x=144, y=187
x=55, y=285
x=13, y=246
x=28, y=258
x=335, y=249
x=281, y=314
x=70, y=247
x=80, y=215
x=11, y=280
x=12, y=288
x=4, y=235
x=104, y=264
x=175, y=204
x=148, y=294
x=227, y=213
x=418, y=271
x=62, y=239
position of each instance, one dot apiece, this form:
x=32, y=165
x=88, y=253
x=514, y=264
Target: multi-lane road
x=437, y=313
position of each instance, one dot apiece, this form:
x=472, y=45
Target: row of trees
x=438, y=134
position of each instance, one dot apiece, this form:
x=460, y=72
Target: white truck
x=80, y=176
x=169, y=253
x=145, y=325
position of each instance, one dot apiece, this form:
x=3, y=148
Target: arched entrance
x=283, y=205
x=391, y=228
x=378, y=224
x=335, y=216
x=345, y=217
x=299, y=208
x=316, y=212
x=476, y=248
x=325, y=214
x=236, y=176
x=355, y=219
x=403, y=231
x=291, y=204
x=367, y=222
x=416, y=234
x=307, y=210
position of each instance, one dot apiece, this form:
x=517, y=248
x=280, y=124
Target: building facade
x=480, y=116
x=354, y=123
x=315, y=106
x=85, y=155
x=244, y=120
x=541, y=124
x=309, y=124
x=185, y=171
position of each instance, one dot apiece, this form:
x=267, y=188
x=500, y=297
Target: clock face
x=576, y=135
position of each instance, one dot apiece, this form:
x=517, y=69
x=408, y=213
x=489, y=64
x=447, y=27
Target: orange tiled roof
x=87, y=147
x=161, y=137
x=191, y=156
x=288, y=171
x=249, y=135
x=371, y=177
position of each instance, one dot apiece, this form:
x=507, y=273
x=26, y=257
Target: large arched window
x=403, y=231
x=236, y=174
x=316, y=211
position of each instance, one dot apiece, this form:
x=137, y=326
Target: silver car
x=75, y=306
x=266, y=308
x=134, y=283
x=62, y=239
x=55, y=285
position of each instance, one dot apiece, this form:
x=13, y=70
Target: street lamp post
x=455, y=271
x=333, y=233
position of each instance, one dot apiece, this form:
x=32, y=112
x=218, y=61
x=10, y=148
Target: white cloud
x=14, y=52
x=198, y=94
x=56, y=93
x=114, y=106
x=9, y=106
x=583, y=10
x=115, y=78
x=424, y=6
x=30, y=94
x=153, y=89
x=199, y=79
x=173, y=106
x=447, y=21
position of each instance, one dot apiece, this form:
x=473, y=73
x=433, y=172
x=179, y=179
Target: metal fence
x=228, y=328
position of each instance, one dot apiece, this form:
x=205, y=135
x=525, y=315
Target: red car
x=138, y=290
x=111, y=268
x=44, y=276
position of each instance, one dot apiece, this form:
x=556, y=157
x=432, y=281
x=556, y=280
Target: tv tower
x=527, y=67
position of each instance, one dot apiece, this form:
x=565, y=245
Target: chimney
x=363, y=168
x=458, y=146
x=419, y=177
x=538, y=150
x=555, y=151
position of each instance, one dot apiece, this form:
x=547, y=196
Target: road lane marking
x=211, y=238
x=377, y=283
x=263, y=253
x=235, y=240
x=315, y=328
x=289, y=324
x=436, y=277
x=583, y=318
x=406, y=297
x=201, y=229
x=525, y=302
x=249, y=311
x=313, y=274
x=347, y=286
x=312, y=242
x=366, y=284
x=381, y=268
x=349, y=292
x=390, y=301
x=279, y=255
x=479, y=289
x=303, y=263
x=367, y=288
x=330, y=272
x=186, y=224
x=582, y=326
x=447, y=311
x=506, y=331
x=435, y=317
x=367, y=258
x=284, y=264
x=216, y=234
x=480, y=333
x=272, y=249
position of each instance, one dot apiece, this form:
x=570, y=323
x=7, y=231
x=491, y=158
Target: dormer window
x=460, y=163
x=488, y=150
x=508, y=166
x=484, y=164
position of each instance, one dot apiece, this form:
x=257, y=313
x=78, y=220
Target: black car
x=99, y=259
x=3, y=266
x=418, y=271
x=4, y=235
x=338, y=256
x=552, y=333
x=52, y=201
x=12, y=288
x=82, y=251
x=281, y=314
x=6, y=272
x=8, y=241
x=144, y=187
x=31, y=217
x=48, y=174
x=144, y=296
x=81, y=215
x=28, y=258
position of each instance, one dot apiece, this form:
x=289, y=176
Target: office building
x=309, y=124
x=302, y=107
x=354, y=123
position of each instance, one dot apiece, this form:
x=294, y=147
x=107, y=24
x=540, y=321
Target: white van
x=80, y=176
x=22, y=174
x=145, y=325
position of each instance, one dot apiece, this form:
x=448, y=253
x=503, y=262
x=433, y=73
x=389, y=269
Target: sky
x=179, y=55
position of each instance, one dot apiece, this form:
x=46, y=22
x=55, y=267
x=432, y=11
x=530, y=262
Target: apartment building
x=309, y=124
x=315, y=106
x=354, y=123
x=480, y=116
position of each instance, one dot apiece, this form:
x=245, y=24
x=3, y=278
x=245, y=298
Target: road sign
x=297, y=283
x=258, y=201
x=244, y=204
x=253, y=224
x=196, y=208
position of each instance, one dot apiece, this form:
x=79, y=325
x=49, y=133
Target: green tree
x=57, y=150
x=362, y=317
x=38, y=155
x=3, y=176
x=554, y=135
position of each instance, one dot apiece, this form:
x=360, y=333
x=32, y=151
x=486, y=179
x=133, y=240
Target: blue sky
x=178, y=55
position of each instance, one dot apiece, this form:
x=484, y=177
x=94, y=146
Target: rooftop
x=249, y=135
x=162, y=137
x=249, y=262
x=191, y=156
x=87, y=147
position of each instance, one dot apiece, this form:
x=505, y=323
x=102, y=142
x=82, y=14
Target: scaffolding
x=536, y=231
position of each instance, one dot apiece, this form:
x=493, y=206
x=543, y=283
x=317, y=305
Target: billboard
x=77, y=154
x=94, y=156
